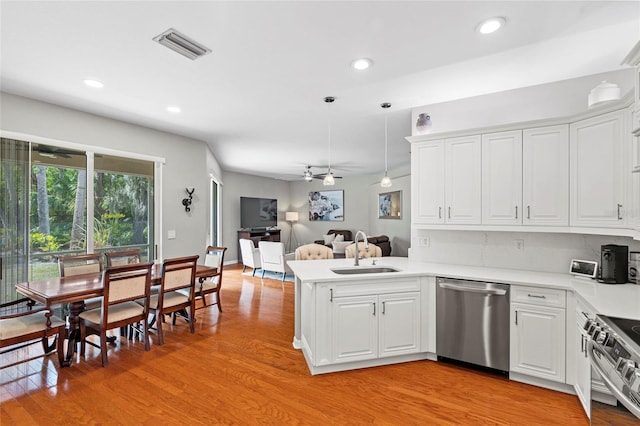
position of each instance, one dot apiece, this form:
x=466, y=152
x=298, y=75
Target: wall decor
x=390, y=205
x=326, y=206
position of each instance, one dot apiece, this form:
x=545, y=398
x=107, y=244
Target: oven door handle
x=592, y=349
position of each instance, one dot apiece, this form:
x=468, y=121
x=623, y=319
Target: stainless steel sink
x=364, y=270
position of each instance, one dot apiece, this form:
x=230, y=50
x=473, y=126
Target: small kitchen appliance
x=615, y=264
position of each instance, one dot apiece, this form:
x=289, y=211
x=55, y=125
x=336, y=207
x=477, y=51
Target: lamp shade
x=291, y=216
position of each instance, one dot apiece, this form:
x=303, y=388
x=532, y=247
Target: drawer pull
x=528, y=212
x=516, y=212
x=619, y=212
x=440, y=212
x=330, y=295
x=537, y=296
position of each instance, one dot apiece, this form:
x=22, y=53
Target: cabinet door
x=354, y=328
x=597, y=172
x=399, y=324
x=582, y=364
x=502, y=178
x=545, y=176
x=538, y=341
x=463, y=180
x=427, y=176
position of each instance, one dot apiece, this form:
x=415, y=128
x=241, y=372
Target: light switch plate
x=171, y=234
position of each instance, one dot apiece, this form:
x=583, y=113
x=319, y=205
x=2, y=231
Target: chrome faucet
x=366, y=246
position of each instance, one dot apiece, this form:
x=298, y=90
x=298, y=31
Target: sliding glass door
x=123, y=205
x=48, y=208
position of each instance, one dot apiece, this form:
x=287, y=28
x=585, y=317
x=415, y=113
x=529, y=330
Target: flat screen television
x=258, y=213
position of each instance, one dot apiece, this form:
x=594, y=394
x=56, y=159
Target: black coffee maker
x=614, y=260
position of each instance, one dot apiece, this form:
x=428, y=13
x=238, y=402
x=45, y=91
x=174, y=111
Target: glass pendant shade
x=329, y=180
x=386, y=181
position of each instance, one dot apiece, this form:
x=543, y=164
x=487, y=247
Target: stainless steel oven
x=614, y=352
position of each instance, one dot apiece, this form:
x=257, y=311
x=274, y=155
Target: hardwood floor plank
x=239, y=368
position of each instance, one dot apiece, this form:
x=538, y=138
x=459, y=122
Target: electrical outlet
x=519, y=244
x=171, y=234
x=425, y=242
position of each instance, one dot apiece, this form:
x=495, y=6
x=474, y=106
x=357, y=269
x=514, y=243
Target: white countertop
x=619, y=300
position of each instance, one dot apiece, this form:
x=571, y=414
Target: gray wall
x=188, y=162
x=559, y=99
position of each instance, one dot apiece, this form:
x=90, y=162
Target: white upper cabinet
x=502, y=178
x=463, y=176
x=545, y=176
x=427, y=181
x=597, y=171
x=446, y=180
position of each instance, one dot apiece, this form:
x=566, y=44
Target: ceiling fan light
x=329, y=180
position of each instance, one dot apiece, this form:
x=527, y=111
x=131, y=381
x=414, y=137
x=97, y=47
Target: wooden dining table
x=76, y=289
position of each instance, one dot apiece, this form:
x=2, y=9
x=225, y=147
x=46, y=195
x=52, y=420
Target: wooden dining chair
x=127, y=290
x=79, y=265
x=177, y=274
x=125, y=257
x=21, y=326
x=214, y=258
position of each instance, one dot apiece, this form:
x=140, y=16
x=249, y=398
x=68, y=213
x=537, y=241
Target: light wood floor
x=240, y=368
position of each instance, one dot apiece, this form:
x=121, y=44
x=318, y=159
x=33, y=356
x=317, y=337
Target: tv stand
x=257, y=235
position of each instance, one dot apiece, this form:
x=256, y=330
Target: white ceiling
x=257, y=99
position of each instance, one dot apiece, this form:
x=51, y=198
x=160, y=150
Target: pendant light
x=386, y=180
x=328, y=179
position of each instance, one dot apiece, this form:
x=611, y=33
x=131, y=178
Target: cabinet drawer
x=538, y=296
x=361, y=288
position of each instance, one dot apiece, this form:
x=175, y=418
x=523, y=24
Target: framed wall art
x=390, y=205
x=326, y=206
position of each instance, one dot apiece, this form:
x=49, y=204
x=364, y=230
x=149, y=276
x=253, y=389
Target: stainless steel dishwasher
x=472, y=322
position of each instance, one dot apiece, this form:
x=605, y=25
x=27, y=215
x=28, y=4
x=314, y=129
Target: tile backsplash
x=544, y=252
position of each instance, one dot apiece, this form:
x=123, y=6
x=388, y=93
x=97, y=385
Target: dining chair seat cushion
x=171, y=298
x=13, y=327
x=117, y=312
x=206, y=286
x=93, y=303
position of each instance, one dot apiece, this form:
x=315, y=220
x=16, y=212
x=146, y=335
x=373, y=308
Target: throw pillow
x=340, y=246
x=328, y=239
x=339, y=238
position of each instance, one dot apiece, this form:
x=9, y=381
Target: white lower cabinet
x=361, y=323
x=366, y=327
x=537, y=333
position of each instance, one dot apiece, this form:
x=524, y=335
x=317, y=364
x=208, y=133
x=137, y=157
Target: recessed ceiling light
x=174, y=109
x=491, y=25
x=94, y=83
x=361, y=64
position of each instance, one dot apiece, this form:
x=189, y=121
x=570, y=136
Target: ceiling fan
x=308, y=175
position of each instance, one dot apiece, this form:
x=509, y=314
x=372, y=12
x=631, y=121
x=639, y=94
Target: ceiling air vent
x=182, y=44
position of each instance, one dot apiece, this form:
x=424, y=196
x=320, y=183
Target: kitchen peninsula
x=353, y=321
